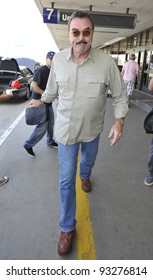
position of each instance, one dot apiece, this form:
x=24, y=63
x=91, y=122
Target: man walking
x=80, y=77
x=130, y=71
x=38, y=86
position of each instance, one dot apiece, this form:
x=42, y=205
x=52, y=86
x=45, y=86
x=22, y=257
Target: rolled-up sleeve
x=118, y=91
x=51, y=91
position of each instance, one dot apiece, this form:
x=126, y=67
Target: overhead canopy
x=136, y=16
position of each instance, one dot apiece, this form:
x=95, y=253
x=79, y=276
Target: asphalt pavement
x=120, y=205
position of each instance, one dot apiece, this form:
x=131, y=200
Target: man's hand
x=115, y=133
x=34, y=103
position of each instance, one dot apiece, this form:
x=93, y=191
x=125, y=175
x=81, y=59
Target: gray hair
x=80, y=14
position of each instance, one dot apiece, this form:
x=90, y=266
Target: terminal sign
x=55, y=16
x=110, y=20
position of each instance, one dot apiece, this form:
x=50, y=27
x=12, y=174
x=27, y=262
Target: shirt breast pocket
x=95, y=87
x=63, y=85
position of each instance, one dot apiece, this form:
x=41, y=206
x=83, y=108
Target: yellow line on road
x=84, y=238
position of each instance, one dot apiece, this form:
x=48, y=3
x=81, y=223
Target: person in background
x=3, y=180
x=4, y=97
x=150, y=86
x=130, y=71
x=38, y=86
x=149, y=178
x=81, y=76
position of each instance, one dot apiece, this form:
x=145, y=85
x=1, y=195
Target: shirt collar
x=90, y=56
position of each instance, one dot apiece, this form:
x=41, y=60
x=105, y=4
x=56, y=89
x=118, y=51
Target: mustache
x=81, y=42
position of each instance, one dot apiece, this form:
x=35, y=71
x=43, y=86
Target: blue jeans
x=68, y=157
x=40, y=130
x=150, y=162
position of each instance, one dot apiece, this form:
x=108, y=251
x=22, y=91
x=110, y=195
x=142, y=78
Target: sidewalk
x=142, y=100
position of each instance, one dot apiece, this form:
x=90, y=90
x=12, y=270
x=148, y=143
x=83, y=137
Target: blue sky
x=22, y=31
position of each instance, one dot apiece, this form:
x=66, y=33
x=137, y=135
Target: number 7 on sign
x=50, y=13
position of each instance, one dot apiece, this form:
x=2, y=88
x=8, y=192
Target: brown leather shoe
x=65, y=242
x=86, y=185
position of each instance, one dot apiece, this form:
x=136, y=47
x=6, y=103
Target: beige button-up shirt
x=82, y=94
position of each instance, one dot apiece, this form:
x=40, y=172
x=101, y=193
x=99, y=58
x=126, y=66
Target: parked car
x=15, y=80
